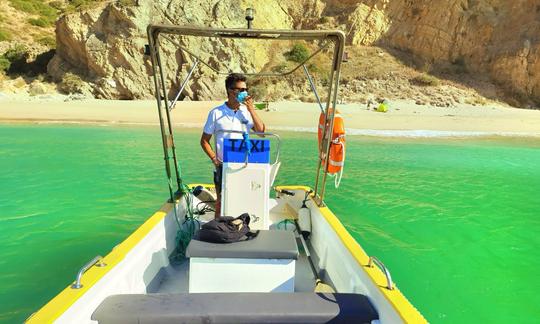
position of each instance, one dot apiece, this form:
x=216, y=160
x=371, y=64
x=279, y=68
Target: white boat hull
x=141, y=265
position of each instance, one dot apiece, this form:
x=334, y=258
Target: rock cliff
x=497, y=38
x=105, y=45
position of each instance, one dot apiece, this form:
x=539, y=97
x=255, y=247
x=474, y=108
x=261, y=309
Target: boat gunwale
x=398, y=301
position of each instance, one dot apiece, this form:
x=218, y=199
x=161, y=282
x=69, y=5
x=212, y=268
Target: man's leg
x=218, y=175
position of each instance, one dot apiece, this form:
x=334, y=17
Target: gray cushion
x=267, y=245
x=236, y=308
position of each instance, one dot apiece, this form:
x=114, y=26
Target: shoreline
x=391, y=133
x=404, y=118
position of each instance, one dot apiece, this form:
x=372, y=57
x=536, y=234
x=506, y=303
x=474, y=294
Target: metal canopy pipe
x=338, y=38
x=323, y=153
x=247, y=33
x=168, y=115
x=313, y=88
x=173, y=103
x=166, y=138
x=329, y=118
x=338, y=55
x=264, y=74
x=153, y=52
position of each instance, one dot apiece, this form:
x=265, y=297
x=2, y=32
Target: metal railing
x=374, y=260
x=313, y=88
x=183, y=86
x=98, y=261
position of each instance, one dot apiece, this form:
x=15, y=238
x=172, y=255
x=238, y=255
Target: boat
x=289, y=273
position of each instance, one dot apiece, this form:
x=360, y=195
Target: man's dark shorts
x=218, y=175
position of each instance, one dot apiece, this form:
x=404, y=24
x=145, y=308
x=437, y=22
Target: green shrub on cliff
x=299, y=53
x=40, y=22
x=425, y=80
x=4, y=35
x=71, y=83
x=35, y=7
x=58, y=5
x=81, y=4
x=4, y=64
x=126, y=3
x=14, y=59
x=48, y=41
x=16, y=53
x=47, y=14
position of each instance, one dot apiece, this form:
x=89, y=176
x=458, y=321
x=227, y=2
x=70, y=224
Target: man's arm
x=258, y=124
x=207, y=148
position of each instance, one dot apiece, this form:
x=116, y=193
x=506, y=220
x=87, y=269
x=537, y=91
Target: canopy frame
x=158, y=32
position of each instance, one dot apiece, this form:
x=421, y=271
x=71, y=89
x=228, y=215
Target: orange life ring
x=337, y=146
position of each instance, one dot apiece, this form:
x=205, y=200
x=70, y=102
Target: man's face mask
x=241, y=96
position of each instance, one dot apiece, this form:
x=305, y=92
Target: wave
x=20, y=217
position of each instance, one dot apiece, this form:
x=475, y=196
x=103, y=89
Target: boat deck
x=174, y=278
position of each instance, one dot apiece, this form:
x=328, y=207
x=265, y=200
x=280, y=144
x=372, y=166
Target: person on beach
x=236, y=114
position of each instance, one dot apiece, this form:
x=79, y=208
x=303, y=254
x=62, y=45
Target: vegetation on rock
x=299, y=53
x=14, y=58
x=47, y=14
x=15, y=61
x=425, y=80
x=81, y=4
x=40, y=22
x=5, y=35
x=71, y=83
x=4, y=64
x=48, y=41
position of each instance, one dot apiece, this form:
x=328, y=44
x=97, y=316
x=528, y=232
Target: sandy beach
x=404, y=118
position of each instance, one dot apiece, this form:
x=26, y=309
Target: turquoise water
x=456, y=221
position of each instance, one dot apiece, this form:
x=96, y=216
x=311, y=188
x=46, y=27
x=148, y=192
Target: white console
x=246, y=189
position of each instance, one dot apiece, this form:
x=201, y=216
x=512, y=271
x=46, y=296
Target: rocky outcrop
x=105, y=45
x=498, y=37
x=495, y=37
x=367, y=24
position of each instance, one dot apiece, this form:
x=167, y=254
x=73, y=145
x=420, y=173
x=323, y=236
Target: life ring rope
x=337, y=179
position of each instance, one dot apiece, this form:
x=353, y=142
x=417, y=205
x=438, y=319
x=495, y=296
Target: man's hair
x=232, y=78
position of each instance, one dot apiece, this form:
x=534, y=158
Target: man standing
x=236, y=114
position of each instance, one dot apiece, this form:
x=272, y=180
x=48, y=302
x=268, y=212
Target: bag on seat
x=227, y=229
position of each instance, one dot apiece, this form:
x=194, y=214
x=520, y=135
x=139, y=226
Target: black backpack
x=227, y=229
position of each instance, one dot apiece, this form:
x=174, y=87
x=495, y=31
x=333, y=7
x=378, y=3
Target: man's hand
x=258, y=125
x=249, y=103
x=216, y=161
x=207, y=148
